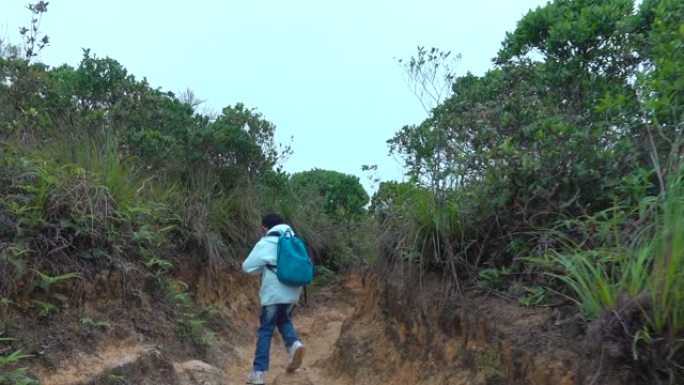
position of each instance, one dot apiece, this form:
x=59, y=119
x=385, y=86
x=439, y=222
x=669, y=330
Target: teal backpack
x=293, y=266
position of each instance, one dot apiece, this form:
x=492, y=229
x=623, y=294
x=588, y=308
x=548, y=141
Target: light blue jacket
x=265, y=252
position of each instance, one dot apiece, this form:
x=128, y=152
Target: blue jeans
x=272, y=316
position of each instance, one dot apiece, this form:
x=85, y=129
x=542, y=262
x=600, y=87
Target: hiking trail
x=318, y=325
x=355, y=331
x=134, y=361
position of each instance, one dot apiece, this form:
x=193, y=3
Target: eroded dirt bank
x=141, y=347
x=361, y=331
x=400, y=335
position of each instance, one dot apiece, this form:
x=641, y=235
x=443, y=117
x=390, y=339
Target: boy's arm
x=255, y=262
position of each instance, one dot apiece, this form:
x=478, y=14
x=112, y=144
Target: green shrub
x=15, y=376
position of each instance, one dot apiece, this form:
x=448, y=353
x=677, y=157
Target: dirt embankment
x=132, y=336
x=358, y=332
x=400, y=335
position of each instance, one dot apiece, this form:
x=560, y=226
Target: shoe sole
x=252, y=382
x=297, y=357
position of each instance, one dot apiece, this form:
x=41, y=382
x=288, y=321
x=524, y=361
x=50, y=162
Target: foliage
x=91, y=323
x=666, y=284
x=14, y=376
x=560, y=166
x=45, y=281
x=642, y=276
x=324, y=275
x=100, y=171
x=327, y=209
x=33, y=42
x=532, y=296
x=343, y=196
x=559, y=129
x=98, y=166
x=662, y=82
x=429, y=74
x=419, y=230
x=190, y=322
x=491, y=277
x=557, y=165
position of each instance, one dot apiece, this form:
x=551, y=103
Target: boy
x=277, y=301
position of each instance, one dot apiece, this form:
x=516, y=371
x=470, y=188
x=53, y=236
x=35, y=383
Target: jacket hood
x=281, y=227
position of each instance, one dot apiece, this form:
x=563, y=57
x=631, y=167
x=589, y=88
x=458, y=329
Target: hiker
x=277, y=301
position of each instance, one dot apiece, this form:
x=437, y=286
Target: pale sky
x=324, y=72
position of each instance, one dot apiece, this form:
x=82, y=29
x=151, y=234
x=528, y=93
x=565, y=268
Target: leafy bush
x=343, y=197
x=327, y=209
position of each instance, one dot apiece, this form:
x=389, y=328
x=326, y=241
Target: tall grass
x=591, y=280
x=667, y=283
x=421, y=233
x=653, y=263
x=120, y=175
x=645, y=275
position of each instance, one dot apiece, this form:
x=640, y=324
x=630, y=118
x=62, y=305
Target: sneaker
x=256, y=377
x=295, y=353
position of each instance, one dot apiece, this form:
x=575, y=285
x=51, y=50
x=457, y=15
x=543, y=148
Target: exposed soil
x=360, y=331
x=402, y=335
x=319, y=326
x=142, y=347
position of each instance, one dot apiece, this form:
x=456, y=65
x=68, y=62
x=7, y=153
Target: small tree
x=344, y=198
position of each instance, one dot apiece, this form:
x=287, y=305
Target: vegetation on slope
x=100, y=171
x=558, y=173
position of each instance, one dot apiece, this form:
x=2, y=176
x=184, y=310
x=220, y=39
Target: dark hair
x=270, y=220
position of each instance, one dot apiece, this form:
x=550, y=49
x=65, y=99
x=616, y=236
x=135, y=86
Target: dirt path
x=371, y=351
x=133, y=361
x=86, y=368
x=319, y=327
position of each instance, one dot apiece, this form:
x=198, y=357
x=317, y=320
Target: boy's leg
x=268, y=322
x=285, y=326
x=295, y=348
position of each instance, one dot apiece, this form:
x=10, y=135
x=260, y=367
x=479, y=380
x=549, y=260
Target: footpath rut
x=318, y=324
x=350, y=340
x=319, y=327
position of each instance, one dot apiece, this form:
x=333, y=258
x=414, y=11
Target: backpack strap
x=306, y=297
x=274, y=233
